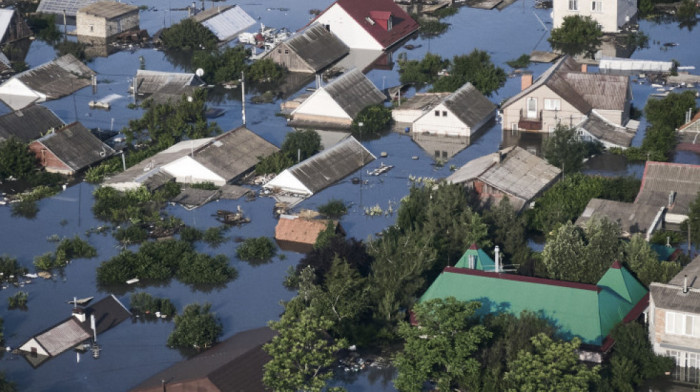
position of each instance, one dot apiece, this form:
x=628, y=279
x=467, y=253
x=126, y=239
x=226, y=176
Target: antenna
x=497, y=257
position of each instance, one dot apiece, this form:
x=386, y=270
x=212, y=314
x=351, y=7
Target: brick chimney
x=525, y=81
x=584, y=68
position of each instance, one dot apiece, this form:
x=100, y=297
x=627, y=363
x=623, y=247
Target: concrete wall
x=607, y=18
x=347, y=29
x=568, y=115
x=282, y=55
x=441, y=121
x=95, y=26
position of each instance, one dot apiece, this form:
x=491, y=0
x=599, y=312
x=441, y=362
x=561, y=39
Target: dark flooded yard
x=136, y=349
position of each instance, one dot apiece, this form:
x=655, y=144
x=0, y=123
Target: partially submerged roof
x=353, y=91
x=226, y=22
x=317, y=46
x=57, y=7
x=608, y=132
x=323, y=169
x=76, y=146
x=693, y=125
x=236, y=364
x=63, y=336
x=665, y=182
x=469, y=105
x=421, y=101
x=632, y=217
x=108, y=9
x=300, y=230
x=28, y=123
x=164, y=86
x=579, y=310
x=479, y=258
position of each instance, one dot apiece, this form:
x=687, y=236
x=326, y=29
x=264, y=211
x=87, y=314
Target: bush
x=74, y=248
x=146, y=305
x=577, y=35
x=475, y=68
x=190, y=234
x=196, y=328
x=202, y=269
x=256, y=249
x=521, y=62
x=9, y=266
x=214, y=236
x=266, y=71
x=333, y=209
x=45, y=262
x=207, y=186
x=188, y=34
x=18, y=301
x=15, y=159
x=374, y=119
x=132, y=234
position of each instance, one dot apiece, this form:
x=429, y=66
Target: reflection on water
x=530, y=141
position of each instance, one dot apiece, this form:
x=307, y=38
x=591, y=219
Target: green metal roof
x=482, y=261
x=663, y=252
x=579, y=310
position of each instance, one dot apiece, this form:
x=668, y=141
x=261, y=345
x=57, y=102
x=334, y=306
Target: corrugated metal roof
x=608, y=132
x=57, y=7
x=328, y=166
x=353, y=91
x=63, y=336
x=225, y=22
x=58, y=78
x=469, y=105
x=482, y=261
x=662, y=178
x=150, y=82
x=300, y=230
x=317, y=46
x=5, y=19
x=632, y=217
x=108, y=9
x=76, y=146
x=29, y=123
x=421, y=101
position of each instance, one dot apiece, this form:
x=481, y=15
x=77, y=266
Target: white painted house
x=367, y=24
x=611, y=15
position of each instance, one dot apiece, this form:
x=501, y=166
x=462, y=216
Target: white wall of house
x=188, y=171
x=286, y=182
x=675, y=334
x=88, y=25
x=553, y=109
x=33, y=346
x=406, y=115
x=347, y=29
x=610, y=14
x=18, y=95
x=616, y=117
x=320, y=103
x=441, y=121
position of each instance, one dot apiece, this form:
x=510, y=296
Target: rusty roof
x=296, y=229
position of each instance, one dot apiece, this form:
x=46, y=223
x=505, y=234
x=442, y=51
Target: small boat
x=80, y=301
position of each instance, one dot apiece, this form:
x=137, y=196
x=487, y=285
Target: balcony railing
x=529, y=123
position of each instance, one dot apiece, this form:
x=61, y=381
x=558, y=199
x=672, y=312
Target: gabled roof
x=584, y=91
x=164, y=86
x=28, y=123
x=606, y=131
x=469, y=105
x=76, y=146
x=421, y=101
x=63, y=336
x=317, y=46
x=632, y=217
x=12, y=26
x=57, y=7
x=693, y=125
x=662, y=178
x=226, y=22
x=482, y=261
x=300, y=230
x=579, y=310
x=323, y=169
x=236, y=364
x=108, y=9
x=368, y=12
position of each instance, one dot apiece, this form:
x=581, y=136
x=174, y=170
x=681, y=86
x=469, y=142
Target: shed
x=29, y=123
x=59, y=7
x=512, y=172
x=51, y=80
x=236, y=364
x=165, y=86
x=106, y=19
x=226, y=22
x=673, y=185
x=299, y=234
x=310, y=51
x=69, y=149
x=336, y=104
x=323, y=169
x=597, y=127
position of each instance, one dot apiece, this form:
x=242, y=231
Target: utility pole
x=243, y=96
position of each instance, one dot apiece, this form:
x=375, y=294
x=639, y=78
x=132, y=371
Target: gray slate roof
x=662, y=178
x=606, y=131
x=108, y=9
x=232, y=365
x=422, y=101
x=632, y=218
x=353, y=91
x=58, y=6
x=469, y=105
x=226, y=22
x=59, y=77
x=317, y=46
x=76, y=146
x=671, y=296
x=165, y=84
x=29, y=123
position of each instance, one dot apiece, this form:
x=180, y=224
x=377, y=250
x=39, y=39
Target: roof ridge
x=525, y=279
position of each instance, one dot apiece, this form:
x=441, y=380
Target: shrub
x=18, y=301
x=9, y=266
x=371, y=121
x=196, y=328
x=333, y=209
x=146, y=305
x=256, y=249
x=521, y=62
x=214, y=236
x=188, y=34
x=190, y=234
x=132, y=234
x=74, y=248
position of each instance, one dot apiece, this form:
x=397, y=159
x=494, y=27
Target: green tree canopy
x=305, y=142
x=577, y=35
x=475, y=68
x=196, y=328
x=188, y=34
x=643, y=261
x=443, y=348
x=15, y=159
x=553, y=366
x=374, y=119
x=693, y=221
x=421, y=72
x=565, y=149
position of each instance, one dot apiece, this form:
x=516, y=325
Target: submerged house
x=12, y=27
x=29, y=123
x=674, y=321
x=690, y=134
x=104, y=20
x=67, y=334
x=69, y=149
x=336, y=104
x=219, y=160
x=162, y=87
x=598, y=128
x=226, y=22
x=512, y=172
x=611, y=15
x=310, y=51
x=51, y=80
x=299, y=234
x=61, y=8
x=586, y=311
x=323, y=169
x=236, y=364
x=567, y=94
x=367, y=24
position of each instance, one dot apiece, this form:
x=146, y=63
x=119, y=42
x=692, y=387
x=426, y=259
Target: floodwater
x=135, y=350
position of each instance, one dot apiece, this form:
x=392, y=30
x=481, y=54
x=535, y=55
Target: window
x=552, y=104
x=286, y=51
x=444, y=154
x=597, y=6
x=437, y=113
x=531, y=107
x=444, y=113
x=682, y=324
x=437, y=153
x=573, y=5
x=92, y=28
x=279, y=50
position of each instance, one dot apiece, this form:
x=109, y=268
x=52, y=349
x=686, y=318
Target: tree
x=188, y=34
x=577, y=35
x=371, y=120
x=302, y=353
x=443, y=348
x=641, y=260
x=693, y=221
x=565, y=150
x=15, y=159
x=421, y=72
x=351, y=250
x=197, y=327
x=507, y=229
x=333, y=209
x=299, y=145
x=6, y=385
x=475, y=68
x=265, y=71
x=553, y=366
x=257, y=250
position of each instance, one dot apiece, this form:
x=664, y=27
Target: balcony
x=530, y=123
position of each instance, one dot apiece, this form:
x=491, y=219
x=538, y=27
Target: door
x=532, y=108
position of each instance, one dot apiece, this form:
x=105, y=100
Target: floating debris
x=132, y=281
x=380, y=170
x=232, y=218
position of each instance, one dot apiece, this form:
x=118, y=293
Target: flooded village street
x=136, y=349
